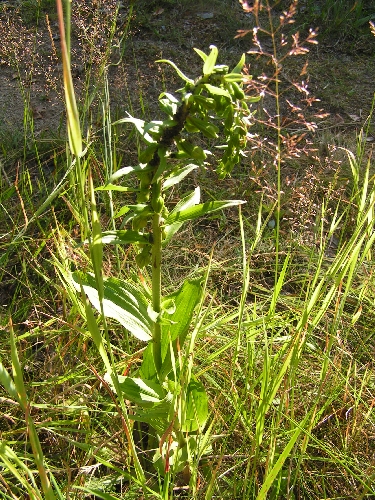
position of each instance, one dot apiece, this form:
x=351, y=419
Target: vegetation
x=159, y=340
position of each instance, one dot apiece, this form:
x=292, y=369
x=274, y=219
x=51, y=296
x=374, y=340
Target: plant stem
x=156, y=287
x=156, y=200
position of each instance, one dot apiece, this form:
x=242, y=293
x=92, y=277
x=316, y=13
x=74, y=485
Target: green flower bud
x=237, y=92
x=139, y=222
x=158, y=205
x=143, y=258
x=143, y=196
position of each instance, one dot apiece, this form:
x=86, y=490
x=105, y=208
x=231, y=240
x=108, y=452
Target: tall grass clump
x=173, y=370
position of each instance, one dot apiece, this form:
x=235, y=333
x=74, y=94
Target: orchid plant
x=163, y=391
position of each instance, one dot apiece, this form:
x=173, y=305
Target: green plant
x=166, y=395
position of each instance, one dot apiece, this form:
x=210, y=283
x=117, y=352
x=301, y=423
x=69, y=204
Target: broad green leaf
x=145, y=393
x=123, y=237
x=216, y=90
x=210, y=62
x=155, y=128
x=185, y=299
x=123, y=210
x=178, y=71
x=201, y=54
x=168, y=103
x=179, y=456
x=204, y=126
x=163, y=166
x=134, y=209
x=249, y=98
x=148, y=369
x=123, y=301
x=178, y=175
x=158, y=417
x=221, y=69
x=156, y=125
x=189, y=201
x=168, y=305
x=170, y=97
x=196, y=407
x=146, y=155
x=199, y=210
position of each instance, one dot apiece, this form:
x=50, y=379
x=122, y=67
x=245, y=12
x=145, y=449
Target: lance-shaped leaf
x=123, y=237
x=7, y=382
x=177, y=175
x=32, y=434
x=115, y=187
x=145, y=393
x=133, y=209
x=174, y=331
x=96, y=242
x=196, y=409
x=185, y=299
x=204, y=126
x=123, y=301
x=201, y=54
x=168, y=103
x=210, y=62
x=195, y=152
x=233, y=77
x=212, y=89
x=189, y=201
x=240, y=64
x=157, y=417
x=178, y=455
x=199, y=210
x=140, y=125
x=178, y=71
x=124, y=171
x=146, y=155
x=204, y=102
